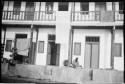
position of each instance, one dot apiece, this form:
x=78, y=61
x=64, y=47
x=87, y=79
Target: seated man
x=75, y=63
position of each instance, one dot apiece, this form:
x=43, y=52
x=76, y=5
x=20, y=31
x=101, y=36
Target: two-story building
x=51, y=32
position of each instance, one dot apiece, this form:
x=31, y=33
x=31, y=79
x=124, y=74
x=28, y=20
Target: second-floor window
x=63, y=6
x=84, y=6
x=49, y=7
x=16, y=8
x=121, y=7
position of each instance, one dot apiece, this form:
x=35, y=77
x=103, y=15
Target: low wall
x=108, y=76
x=4, y=68
x=53, y=73
x=65, y=74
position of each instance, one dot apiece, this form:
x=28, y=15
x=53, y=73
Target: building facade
x=51, y=32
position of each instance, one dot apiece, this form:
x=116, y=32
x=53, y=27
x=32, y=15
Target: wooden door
x=48, y=54
x=91, y=59
x=95, y=56
x=57, y=54
x=87, y=55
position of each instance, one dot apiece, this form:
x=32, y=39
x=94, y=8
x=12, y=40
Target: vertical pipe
x=37, y=31
x=112, y=41
x=70, y=46
x=69, y=51
x=31, y=37
x=4, y=28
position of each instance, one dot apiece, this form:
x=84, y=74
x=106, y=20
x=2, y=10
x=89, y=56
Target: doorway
x=30, y=8
x=91, y=59
x=53, y=51
x=100, y=7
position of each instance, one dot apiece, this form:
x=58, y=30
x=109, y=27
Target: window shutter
x=8, y=45
x=77, y=48
x=117, y=48
x=41, y=47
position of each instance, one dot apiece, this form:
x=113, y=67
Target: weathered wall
x=4, y=68
x=60, y=74
x=65, y=74
x=108, y=76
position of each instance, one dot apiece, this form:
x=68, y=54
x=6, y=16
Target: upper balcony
x=28, y=17
x=77, y=17
x=99, y=17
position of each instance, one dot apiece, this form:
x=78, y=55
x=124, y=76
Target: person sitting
x=75, y=63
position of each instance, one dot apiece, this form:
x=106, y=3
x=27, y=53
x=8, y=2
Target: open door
x=53, y=52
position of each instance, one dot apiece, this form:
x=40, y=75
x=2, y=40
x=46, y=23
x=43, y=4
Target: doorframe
x=91, y=53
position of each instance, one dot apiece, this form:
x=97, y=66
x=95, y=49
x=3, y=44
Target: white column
x=23, y=6
x=77, y=6
x=109, y=6
x=55, y=6
x=37, y=10
x=5, y=7
x=42, y=14
x=92, y=9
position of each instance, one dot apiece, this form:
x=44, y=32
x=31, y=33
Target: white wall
x=108, y=6
x=2, y=35
x=43, y=36
x=119, y=61
x=105, y=45
x=62, y=33
x=10, y=35
x=10, y=8
x=5, y=5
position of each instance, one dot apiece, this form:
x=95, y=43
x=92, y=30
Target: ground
x=8, y=79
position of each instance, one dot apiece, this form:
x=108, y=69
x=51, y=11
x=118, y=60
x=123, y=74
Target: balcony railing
x=97, y=16
x=86, y=16
x=29, y=16
x=119, y=15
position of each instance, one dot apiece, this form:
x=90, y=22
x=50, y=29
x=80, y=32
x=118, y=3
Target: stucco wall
x=104, y=45
x=119, y=61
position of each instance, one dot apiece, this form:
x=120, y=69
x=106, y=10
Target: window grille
x=16, y=9
x=92, y=39
x=63, y=6
x=49, y=7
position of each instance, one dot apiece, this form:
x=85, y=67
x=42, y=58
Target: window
x=117, y=48
x=63, y=6
x=121, y=7
x=8, y=45
x=41, y=47
x=92, y=39
x=51, y=37
x=16, y=9
x=77, y=48
x=49, y=7
x=84, y=7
